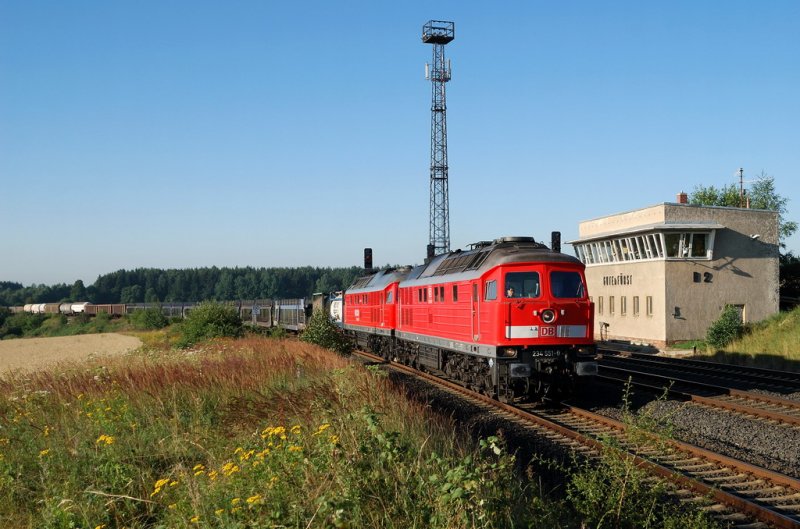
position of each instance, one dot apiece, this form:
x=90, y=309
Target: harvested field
x=30, y=354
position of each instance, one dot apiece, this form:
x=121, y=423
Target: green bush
x=148, y=319
x=726, y=329
x=21, y=324
x=210, y=320
x=321, y=331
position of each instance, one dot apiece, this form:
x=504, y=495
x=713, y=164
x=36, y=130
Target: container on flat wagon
x=65, y=308
x=51, y=308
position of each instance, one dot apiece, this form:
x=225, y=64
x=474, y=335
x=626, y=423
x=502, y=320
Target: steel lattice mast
x=438, y=33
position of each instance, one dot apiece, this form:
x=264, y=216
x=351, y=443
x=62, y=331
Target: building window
x=600, y=305
x=635, y=305
x=649, y=303
x=611, y=305
x=665, y=245
x=623, y=305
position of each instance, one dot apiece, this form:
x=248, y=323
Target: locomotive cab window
x=566, y=285
x=491, y=290
x=522, y=285
x=389, y=297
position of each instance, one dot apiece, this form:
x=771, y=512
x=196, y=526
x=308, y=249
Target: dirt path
x=29, y=354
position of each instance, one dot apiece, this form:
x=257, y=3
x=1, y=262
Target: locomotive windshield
x=566, y=285
x=522, y=285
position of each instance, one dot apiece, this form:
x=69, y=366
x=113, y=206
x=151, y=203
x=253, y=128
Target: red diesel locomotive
x=510, y=318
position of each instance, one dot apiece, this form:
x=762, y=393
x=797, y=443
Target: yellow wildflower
x=198, y=467
x=219, y=512
x=322, y=428
x=256, y=498
x=46, y=432
x=334, y=439
x=235, y=501
x=212, y=475
x=172, y=506
x=173, y=483
x=295, y=448
x=296, y=429
x=230, y=468
x=101, y=526
x=194, y=519
x=44, y=452
x=158, y=486
x=107, y=439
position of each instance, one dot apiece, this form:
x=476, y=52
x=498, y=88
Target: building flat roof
x=659, y=226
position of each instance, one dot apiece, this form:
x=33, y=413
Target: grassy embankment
x=773, y=343
x=270, y=433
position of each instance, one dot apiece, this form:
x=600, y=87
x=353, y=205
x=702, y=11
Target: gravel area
x=772, y=446
x=30, y=354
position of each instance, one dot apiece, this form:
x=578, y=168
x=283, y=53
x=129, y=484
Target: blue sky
x=178, y=134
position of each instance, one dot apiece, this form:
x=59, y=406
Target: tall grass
x=252, y=433
x=255, y=433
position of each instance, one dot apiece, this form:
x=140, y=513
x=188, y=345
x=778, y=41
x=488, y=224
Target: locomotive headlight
x=548, y=316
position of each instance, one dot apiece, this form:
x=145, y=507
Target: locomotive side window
x=455, y=293
x=566, y=285
x=491, y=290
x=522, y=284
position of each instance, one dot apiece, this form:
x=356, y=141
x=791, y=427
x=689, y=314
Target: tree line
x=194, y=284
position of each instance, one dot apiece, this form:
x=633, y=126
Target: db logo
x=547, y=331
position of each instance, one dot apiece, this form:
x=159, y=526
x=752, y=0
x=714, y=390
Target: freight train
x=510, y=318
x=291, y=314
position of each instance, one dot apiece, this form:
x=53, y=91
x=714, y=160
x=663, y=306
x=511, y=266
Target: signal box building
x=663, y=274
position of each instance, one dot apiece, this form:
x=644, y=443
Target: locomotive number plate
x=547, y=330
x=545, y=353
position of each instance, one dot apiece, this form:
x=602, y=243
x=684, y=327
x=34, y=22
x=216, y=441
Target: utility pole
x=438, y=33
x=741, y=187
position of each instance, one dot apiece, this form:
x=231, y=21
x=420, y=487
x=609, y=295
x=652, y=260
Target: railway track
x=725, y=375
x=743, y=495
x=681, y=382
